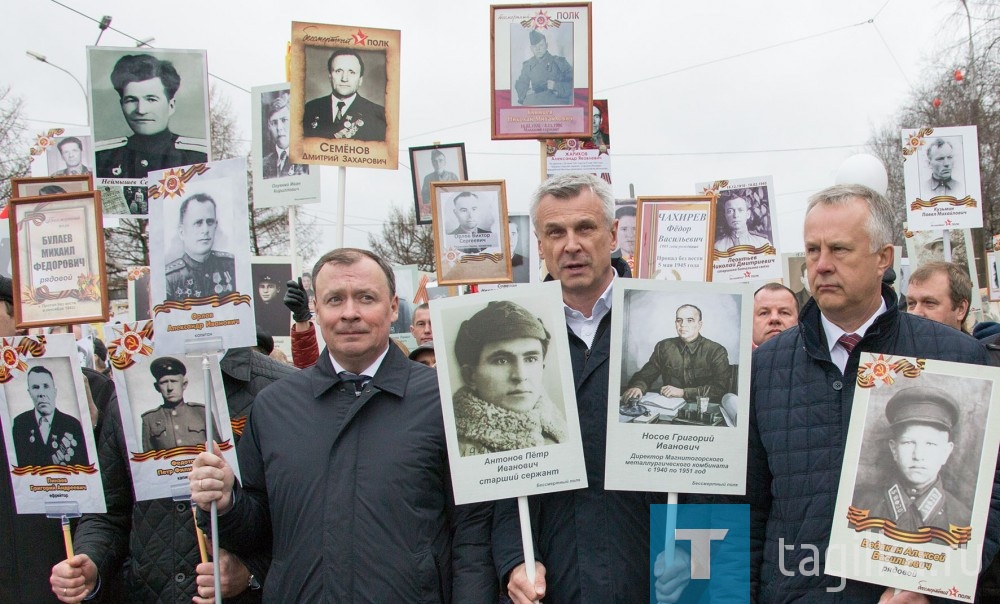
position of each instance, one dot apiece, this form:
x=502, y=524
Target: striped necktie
x=849, y=341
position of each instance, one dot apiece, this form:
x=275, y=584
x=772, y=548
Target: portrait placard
x=277, y=180
x=918, y=475
x=930, y=246
x=149, y=110
x=59, y=275
x=941, y=178
x=200, y=277
x=436, y=163
x=503, y=441
x=69, y=155
x=406, y=289
x=345, y=95
x=47, y=426
x=688, y=428
x=625, y=210
x=994, y=284
x=162, y=404
x=795, y=278
x=40, y=186
x=270, y=276
x=139, y=298
x=591, y=155
x=745, y=248
x=471, y=243
x=674, y=237
x=540, y=64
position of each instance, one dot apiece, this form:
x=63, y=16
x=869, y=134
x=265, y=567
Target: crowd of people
x=345, y=491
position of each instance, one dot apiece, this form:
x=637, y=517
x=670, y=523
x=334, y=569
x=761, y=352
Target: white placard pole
x=668, y=537
x=527, y=542
x=341, y=201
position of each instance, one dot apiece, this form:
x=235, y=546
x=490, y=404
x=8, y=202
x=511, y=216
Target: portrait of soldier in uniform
x=502, y=404
x=44, y=435
x=344, y=113
x=276, y=162
x=545, y=79
x=176, y=422
x=922, y=421
x=270, y=312
x=147, y=89
x=440, y=174
x=71, y=151
x=687, y=366
x=200, y=271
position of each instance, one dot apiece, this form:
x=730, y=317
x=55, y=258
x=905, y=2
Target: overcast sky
x=697, y=91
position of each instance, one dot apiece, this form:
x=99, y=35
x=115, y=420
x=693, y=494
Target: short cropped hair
x=771, y=286
x=698, y=310
x=41, y=369
x=568, y=186
x=937, y=144
x=881, y=216
x=138, y=68
x=199, y=197
x=349, y=256
x=959, y=283
x=67, y=140
x=340, y=52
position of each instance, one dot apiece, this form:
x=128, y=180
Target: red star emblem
x=948, y=221
x=953, y=591
x=359, y=38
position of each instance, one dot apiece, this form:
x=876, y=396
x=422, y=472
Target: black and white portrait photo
x=941, y=166
x=921, y=448
x=149, y=110
x=686, y=350
x=519, y=230
x=50, y=432
x=275, y=121
x=269, y=280
x=541, y=65
x=138, y=293
x=202, y=266
x=345, y=92
x=506, y=386
x=471, y=236
x=743, y=218
x=796, y=277
x=69, y=156
x=437, y=163
x=200, y=280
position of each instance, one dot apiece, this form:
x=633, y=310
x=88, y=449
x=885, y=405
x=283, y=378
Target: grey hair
x=568, y=186
x=881, y=216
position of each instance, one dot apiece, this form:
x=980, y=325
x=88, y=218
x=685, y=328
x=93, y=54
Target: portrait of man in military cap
x=177, y=422
x=913, y=493
x=270, y=312
x=503, y=404
x=201, y=270
x=545, y=78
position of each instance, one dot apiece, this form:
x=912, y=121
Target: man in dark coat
x=802, y=387
x=344, y=113
x=151, y=544
x=592, y=544
x=147, y=88
x=45, y=436
x=344, y=467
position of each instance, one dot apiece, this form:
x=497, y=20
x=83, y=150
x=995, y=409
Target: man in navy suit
x=46, y=436
x=344, y=113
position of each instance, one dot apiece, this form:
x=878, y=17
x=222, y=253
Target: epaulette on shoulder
x=222, y=254
x=111, y=143
x=175, y=265
x=187, y=143
x=153, y=410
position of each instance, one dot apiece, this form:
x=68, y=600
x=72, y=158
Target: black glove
x=297, y=301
